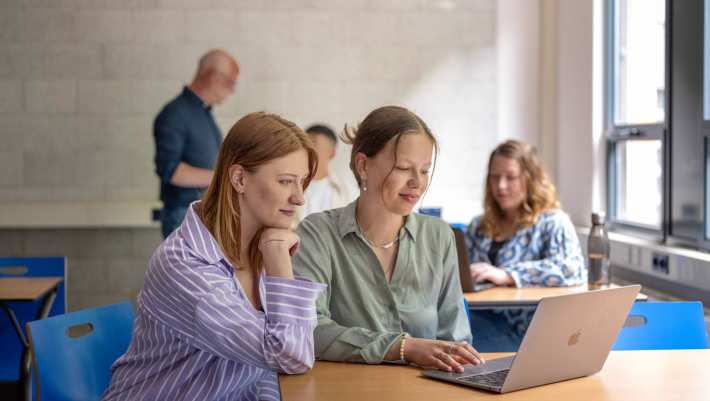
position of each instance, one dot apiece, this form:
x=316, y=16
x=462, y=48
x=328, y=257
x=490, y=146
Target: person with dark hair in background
x=325, y=191
x=393, y=290
x=187, y=137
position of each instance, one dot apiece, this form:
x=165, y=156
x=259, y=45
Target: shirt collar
x=198, y=238
x=347, y=223
x=192, y=97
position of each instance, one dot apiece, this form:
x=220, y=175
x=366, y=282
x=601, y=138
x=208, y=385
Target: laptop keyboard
x=493, y=379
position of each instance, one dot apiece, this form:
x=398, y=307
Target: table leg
x=15, y=324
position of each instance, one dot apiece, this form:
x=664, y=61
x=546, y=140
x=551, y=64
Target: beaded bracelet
x=401, y=348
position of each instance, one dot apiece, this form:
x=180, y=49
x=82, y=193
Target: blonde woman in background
x=523, y=239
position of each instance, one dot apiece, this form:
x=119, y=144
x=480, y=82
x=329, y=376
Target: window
x=639, y=65
x=636, y=112
x=658, y=118
x=638, y=196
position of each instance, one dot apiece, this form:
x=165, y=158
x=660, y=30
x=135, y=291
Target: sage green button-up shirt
x=360, y=314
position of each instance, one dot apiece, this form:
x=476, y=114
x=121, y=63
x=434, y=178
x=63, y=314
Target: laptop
x=570, y=336
x=467, y=284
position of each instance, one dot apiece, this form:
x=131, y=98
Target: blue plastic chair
x=430, y=211
x=10, y=345
x=461, y=226
x=468, y=313
x=663, y=325
x=468, y=310
x=71, y=366
x=491, y=332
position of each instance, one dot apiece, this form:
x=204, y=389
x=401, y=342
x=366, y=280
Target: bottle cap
x=598, y=217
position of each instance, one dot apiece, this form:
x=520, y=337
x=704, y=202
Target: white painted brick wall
x=81, y=81
x=10, y=96
x=104, y=26
x=50, y=96
x=159, y=26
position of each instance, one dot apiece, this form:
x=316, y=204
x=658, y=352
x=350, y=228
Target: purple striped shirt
x=196, y=336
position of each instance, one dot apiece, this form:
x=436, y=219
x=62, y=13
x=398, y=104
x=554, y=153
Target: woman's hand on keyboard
x=448, y=356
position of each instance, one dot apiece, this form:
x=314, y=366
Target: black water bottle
x=599, y=273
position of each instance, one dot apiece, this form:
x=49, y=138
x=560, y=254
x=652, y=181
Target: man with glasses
x=187, y=137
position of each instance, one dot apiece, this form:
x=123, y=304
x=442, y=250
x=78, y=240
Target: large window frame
x=617, y=134
x=684, y=133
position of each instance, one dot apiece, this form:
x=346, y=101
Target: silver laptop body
x=570, y=336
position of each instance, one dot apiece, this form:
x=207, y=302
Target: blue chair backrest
x=430, y=211
x=10, y=346
x=468, y=311
x=461, y=226
x=468, y=314
x=663, y=325
x=79, y=368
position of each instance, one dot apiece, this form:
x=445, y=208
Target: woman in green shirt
x=393, y=286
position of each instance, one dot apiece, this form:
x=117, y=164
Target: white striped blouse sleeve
x=281, y=338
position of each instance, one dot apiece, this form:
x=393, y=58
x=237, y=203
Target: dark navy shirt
x=185, y=131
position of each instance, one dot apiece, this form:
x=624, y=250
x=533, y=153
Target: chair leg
x=26, y=361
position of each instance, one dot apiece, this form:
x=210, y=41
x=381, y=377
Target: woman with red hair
x=220, y=312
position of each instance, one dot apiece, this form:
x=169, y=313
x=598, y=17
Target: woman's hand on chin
x=277, y=245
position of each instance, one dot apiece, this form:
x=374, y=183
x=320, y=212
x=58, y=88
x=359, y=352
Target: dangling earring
x=364, y=187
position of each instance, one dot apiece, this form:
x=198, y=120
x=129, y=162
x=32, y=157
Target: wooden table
x=27, y=289
x=627, y=375
x=516, y=297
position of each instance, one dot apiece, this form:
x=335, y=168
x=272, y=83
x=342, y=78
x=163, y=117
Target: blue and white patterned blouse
x=546, y=254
